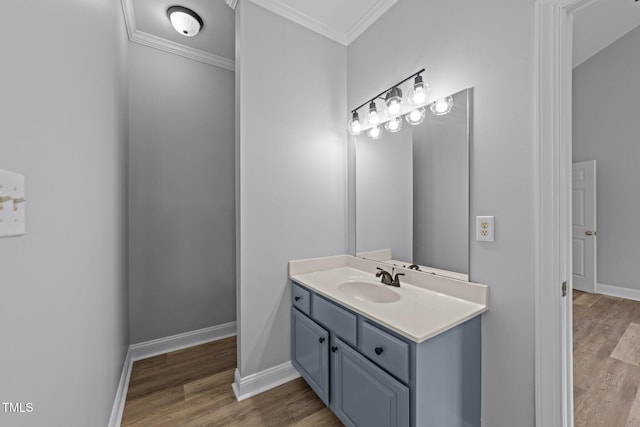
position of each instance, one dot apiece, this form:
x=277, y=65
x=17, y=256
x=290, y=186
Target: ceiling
x=600, y=23
x=339, y=20
x=597, y=24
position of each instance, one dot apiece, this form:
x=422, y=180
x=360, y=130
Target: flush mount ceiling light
x=442, y=106
x=185, y=21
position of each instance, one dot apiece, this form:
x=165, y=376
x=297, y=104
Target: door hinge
x=564, y=289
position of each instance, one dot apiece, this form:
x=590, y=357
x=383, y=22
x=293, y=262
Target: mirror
x=412, y=193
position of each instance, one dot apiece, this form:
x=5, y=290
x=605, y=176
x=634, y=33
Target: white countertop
x=419, y=314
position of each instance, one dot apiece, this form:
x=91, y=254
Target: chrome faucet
x=388, y=278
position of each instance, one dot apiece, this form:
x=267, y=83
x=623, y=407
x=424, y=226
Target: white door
x=584, y=226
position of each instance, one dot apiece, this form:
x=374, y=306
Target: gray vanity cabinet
x=310, y=348
x=363, y=394
x=371, y=376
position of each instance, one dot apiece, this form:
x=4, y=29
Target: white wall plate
x=12, y=204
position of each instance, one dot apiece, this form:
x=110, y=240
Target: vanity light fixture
x=375, y=132
x=419, y=92
x=394, y=101
x=355, y=127
x=391, y=118
x=442, y=106
x=185, y=21
x=416, y=116
x=394, y=125
x=374, y=117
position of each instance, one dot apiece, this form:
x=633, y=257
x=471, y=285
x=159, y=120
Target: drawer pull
x=297, y=298
x=321, y=340
x=334, y=349
x=379, y=350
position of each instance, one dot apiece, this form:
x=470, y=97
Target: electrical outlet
x=12, y=204
x=485, y=229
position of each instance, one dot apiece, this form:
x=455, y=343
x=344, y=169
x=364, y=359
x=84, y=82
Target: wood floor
x=606, y=361
x=192, y=387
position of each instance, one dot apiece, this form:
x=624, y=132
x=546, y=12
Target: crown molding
x=366, y=20
x=292, y=14
x=169, y=46
x=231, y=3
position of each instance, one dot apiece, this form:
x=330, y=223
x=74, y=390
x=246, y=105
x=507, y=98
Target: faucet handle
x=396, y=280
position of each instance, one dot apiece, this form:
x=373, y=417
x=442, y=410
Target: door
x=363, y=394
x=584, y=226
x=310, y=348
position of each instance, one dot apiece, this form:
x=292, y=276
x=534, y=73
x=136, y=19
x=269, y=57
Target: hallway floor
x=192, y=387
x=606, y=361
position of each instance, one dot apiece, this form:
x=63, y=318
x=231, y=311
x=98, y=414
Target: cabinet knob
x=297, y=298
x=321, y=340
x=379, y=350
x=334, y=349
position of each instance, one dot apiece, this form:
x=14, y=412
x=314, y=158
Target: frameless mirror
x=412, y=193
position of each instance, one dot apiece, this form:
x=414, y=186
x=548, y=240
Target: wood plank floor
x=192, y=387
x=606, y=361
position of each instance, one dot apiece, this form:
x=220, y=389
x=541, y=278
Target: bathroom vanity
x=384, y=356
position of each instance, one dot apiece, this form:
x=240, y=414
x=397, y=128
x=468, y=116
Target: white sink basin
x=369, y=292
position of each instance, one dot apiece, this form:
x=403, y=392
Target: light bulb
x=375, y=132
x=415, y=117
x=442, y=106
x=185, y=21
x=374, y=118
x=354, y=126
x=394, y=101
x=420, y=92
x=394, y=125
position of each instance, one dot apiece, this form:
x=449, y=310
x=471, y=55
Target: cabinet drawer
x=300, y=298
x=337, y=319
x=386, y=350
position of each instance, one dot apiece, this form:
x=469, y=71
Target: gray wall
x=63, y=300
x=181, y=195
x=292, y=156
x=606, y=102
x=488, y=46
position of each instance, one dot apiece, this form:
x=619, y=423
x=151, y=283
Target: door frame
x=553, y=158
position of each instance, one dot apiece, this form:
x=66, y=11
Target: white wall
x=63, y=300
x=488, y=46
x=606, y=101
x=291, y=155
x=181, y=195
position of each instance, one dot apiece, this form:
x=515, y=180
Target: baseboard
x=262, y=381
x=152, y=348
x=618, y=291
x=121, y=392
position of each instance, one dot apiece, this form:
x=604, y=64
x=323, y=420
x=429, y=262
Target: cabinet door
x=310, y=353
x=363, y=394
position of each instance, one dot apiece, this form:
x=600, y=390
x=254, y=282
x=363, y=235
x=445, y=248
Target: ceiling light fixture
x=396, y=107
x=442, y=106
x=185, y=21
